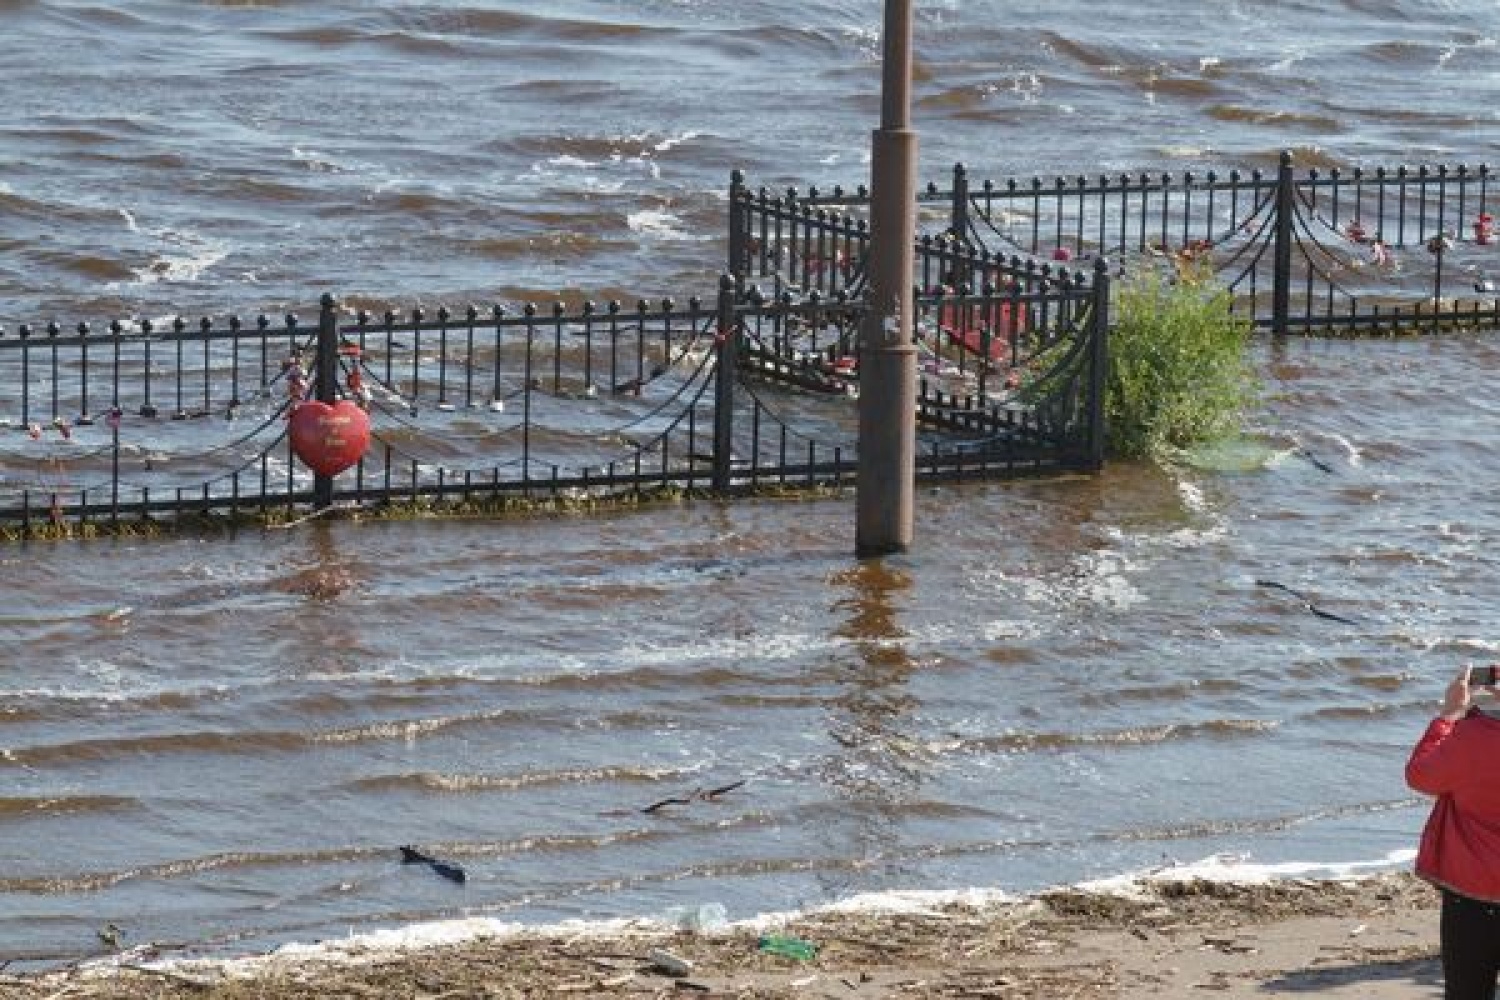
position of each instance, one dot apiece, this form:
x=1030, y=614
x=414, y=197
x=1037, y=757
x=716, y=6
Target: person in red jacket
x=1455, y=760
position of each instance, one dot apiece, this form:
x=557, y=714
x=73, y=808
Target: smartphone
x=1482, y=677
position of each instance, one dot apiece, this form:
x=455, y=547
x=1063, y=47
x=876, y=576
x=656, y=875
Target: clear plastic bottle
x=703, y=917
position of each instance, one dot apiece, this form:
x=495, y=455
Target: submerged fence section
x=742, y=392
x=753, y=387
x=1315, y=251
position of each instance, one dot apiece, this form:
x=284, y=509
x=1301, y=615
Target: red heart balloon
x=329, y=439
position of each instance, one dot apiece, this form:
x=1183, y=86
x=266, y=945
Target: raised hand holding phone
x=1457, y=698
x=1482, y=676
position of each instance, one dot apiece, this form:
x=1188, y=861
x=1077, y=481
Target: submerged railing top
x=1380, y=248
x=497, y=404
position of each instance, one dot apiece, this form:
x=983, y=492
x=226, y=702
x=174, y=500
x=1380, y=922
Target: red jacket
x=1457, y=762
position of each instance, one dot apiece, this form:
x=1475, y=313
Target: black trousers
x=1470, y=934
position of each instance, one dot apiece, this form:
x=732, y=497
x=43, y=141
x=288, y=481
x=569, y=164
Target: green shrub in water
x=1179, y=374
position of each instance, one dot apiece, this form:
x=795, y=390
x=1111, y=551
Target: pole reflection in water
x=879, y=775
x=325, y=637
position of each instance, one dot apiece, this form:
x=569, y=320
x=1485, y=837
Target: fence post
x=1099, y=364
x=327, y=382
x=958, y=219
x=1281, y=278
x=726, y=358
x=739, y=265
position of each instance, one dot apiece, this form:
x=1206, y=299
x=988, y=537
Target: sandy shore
x=1374, y=938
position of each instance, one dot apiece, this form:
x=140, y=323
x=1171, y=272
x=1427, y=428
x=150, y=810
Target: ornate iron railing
x=1383, y=249
x=474, y=406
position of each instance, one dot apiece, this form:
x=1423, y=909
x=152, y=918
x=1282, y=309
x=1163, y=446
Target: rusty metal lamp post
x=888, y=361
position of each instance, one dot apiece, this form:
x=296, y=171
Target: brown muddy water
x=222, y=741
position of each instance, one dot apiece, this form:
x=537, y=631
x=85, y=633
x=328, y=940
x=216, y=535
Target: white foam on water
x=317, y=162
x=1351, y=451
x=759, y=648
x=890, y=901
x=199, y=256
x=113, y=686
x=1009, y=629
x=1104, y=580
x=765, y=648
x=1192, y=496
x=188, y=257
x=1028, y=86
x=1237, y=869
x=1289, y=61
x=378, y=945
x=372, y=946
x=1184, y=151
x=1100, y=578
x=662, y=226
x=678, y=140
x=587, y=174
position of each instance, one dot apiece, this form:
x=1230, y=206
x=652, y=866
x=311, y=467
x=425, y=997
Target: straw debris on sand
x=1371, y=938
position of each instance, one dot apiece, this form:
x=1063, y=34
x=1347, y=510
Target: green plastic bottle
x=788, y=947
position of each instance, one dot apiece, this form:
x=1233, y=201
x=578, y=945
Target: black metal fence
x=754, y=387
x=742, y=392
x=1316, y=251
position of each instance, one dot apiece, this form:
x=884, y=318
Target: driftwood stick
x=1306, y=602
x=337, y=509
x=447, y=869
x=714, y=793
x=698, y=795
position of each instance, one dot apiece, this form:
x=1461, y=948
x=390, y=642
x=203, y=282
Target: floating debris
x=111, y=935
x=699, y=795
x=1306, y=601
x=669, y=964
x=447, y=869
